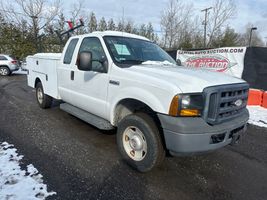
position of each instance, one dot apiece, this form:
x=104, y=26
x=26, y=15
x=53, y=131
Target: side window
x=3, y=58
x=69, y=51
x=93, y=44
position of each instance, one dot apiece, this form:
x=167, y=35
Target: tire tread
x=155, y=158
x=47, y=102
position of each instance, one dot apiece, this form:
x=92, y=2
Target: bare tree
x=256, y=40
x=77, y=12
x=196, y=33
x=37, y=13
x=175, y=22
x=222, y=11
x=77, y=9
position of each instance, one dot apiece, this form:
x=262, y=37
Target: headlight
x=187, y=105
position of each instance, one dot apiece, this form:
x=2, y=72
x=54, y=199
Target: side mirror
x=84, y=61
x=178, y=62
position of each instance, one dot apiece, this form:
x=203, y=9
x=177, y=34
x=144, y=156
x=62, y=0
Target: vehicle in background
x=8, y=64
x=23, y=64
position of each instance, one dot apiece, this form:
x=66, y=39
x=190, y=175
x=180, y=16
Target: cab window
x=99, y=61
x=69, y=51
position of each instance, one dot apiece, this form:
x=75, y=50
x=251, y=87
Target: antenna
x=123, y=18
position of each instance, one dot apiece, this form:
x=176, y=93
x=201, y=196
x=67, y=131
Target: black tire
x=155, y=153
x=43, y=100
x=4, y=71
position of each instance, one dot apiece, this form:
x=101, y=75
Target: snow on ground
x=258, y=116
x=20, y=71
x=17, y=183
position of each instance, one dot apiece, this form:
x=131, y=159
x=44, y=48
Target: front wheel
x=139, y=142
x=43, y=100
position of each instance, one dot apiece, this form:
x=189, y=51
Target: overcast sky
x=144, y=11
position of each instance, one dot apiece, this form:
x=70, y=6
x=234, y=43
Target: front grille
x=225, y=102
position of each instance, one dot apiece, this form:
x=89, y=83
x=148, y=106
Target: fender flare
x=138, y=94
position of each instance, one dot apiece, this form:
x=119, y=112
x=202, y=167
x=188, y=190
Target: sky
x=144, y=11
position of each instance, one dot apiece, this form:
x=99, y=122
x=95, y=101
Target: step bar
x=87, y=117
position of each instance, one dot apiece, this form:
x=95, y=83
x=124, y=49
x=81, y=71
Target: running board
x=87, y=117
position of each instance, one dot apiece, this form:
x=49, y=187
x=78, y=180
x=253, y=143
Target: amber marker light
x=173, y=111
x=189, y=113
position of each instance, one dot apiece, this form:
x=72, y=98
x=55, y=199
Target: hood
x=186, y=79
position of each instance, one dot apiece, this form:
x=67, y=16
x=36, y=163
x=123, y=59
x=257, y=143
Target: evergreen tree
x=135, y=30
x=150, y=32
x=92, y=25
x=187, y=42
x=129, y=27
x=111, y=25
x=142, y=30
x=102, y=26
x=230, y=38
x=120, y=26
x=15, y=41
x=197, y=41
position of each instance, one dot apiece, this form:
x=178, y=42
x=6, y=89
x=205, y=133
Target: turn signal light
x=189, y=112
x=173, y=111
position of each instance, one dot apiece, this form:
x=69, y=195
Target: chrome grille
x=225, y=102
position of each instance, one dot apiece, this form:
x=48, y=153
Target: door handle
x=72, y=75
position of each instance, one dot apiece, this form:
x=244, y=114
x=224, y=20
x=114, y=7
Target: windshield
x=130, y=51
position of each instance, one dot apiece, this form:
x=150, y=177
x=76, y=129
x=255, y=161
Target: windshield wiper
x=132, y=61
x=155, y=62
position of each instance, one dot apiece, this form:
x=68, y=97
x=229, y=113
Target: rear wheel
x=4, y=71
x=139, y=142
x=43, y=100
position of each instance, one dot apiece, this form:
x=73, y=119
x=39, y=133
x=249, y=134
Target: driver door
x=90, y=87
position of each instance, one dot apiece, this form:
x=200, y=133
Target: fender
x=138, y=94
x=42, y=79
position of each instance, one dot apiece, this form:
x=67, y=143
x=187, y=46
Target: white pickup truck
x=119, y=80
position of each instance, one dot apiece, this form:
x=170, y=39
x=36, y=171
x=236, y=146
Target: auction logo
x=216, y=63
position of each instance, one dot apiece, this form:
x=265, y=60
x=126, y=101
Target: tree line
x=182, y=25
x=33, y=26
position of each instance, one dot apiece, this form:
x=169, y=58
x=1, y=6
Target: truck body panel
x=44, y=67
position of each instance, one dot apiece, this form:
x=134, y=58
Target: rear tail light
x=14, y=62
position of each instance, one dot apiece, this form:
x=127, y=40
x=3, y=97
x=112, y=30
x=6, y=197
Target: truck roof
x=112, y=33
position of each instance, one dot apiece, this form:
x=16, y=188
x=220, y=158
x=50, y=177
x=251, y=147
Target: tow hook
x=235, y=134
x=235, y=139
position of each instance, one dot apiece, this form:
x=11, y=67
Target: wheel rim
x=40, y=95
x=134, y=143
x=3, y=71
